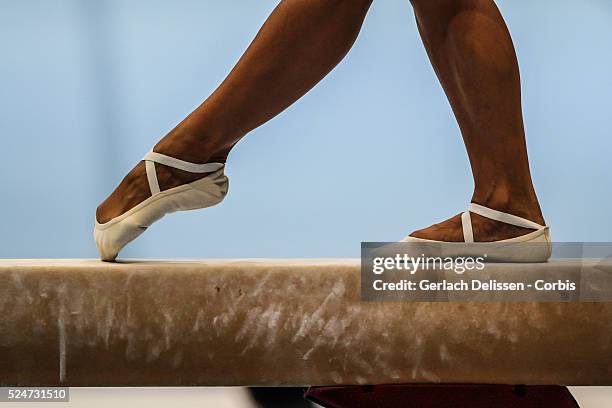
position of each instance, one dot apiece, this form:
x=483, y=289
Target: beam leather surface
x=276, y=322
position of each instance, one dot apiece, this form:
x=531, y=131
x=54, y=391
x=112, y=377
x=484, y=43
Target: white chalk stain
x=108, y=324
x=444, y=354
x=336, y=377
x=316, y=317
x=429, y=376
x=306, y=355
x=61, y=324
x=168, y=325
x=361, y=380
x=200, y=316
x=258, y=330
x=272, y=315
x=153, y=352
x=177, y=359
x=248, y=321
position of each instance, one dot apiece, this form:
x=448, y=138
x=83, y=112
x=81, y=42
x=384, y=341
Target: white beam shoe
x=113, y=235
x=535, y=246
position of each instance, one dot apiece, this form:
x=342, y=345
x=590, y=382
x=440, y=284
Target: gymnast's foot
x=485, y=229
x=177, y=175
x=134, y=188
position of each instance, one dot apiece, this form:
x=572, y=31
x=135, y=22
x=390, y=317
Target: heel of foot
x=215, y=184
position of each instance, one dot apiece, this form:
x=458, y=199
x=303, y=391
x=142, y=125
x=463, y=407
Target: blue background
x=372, y=153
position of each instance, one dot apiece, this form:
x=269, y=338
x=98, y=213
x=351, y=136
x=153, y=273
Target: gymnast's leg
x=472, y=53
x=299, y=44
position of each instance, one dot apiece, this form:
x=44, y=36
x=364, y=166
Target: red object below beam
x=442, y=396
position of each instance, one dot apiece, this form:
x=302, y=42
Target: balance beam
x=276, y=322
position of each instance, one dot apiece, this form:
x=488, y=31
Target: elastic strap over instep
x=466, y=220
x=466, y=223
x=504, y=217
x=152, y=177
x=152, y=157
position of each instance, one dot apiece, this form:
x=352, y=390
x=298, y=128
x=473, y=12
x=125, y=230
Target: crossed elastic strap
x=151, y=158
x=466, y=220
